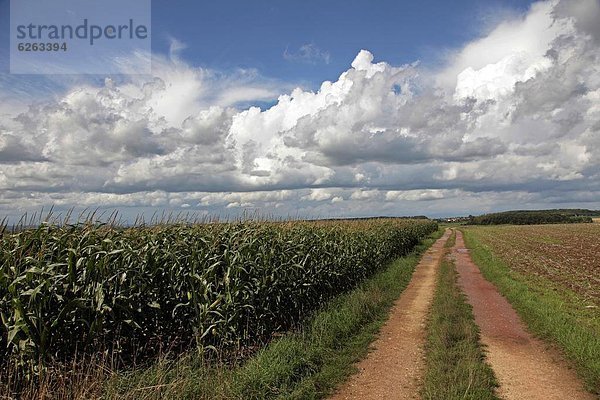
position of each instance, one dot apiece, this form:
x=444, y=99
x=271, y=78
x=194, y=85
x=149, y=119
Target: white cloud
x=514, y=113
x=529, y=36
x=318, y=195
x=420, y=195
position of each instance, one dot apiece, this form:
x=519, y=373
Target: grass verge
x=306, y=364
x=456, y=367
x=549, y=313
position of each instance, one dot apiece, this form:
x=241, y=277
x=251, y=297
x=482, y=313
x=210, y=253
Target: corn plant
x=86, y=288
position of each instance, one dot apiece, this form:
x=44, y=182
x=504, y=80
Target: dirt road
x=525, y=367
x=395, y=368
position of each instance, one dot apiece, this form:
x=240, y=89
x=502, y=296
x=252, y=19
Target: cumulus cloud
x=512, y=115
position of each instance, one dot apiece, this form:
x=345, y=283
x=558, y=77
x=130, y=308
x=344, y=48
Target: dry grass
x=82, y=379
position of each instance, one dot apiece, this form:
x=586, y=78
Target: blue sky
x=254, y=34
x=318, y=109
x=231, y=34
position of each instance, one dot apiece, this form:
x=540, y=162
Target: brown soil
x=565, y=254
x=526, y=368
x=394, y=369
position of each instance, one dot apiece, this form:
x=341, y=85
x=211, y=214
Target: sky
x=318, y=109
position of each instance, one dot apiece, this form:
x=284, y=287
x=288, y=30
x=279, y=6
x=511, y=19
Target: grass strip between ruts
x=455, y=362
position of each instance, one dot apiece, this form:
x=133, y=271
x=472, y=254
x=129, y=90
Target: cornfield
x=85, y=288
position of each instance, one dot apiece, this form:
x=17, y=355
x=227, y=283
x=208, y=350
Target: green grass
x=456, y=367
x=451, y=241
x=552, y=314
x=306, y=364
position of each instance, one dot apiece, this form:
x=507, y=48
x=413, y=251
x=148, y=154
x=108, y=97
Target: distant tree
x=530, y=217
